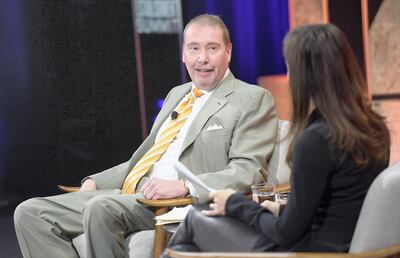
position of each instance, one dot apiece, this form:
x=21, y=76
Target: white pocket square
x=213, y=127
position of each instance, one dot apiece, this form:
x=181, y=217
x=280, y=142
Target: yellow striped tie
x=166, y=137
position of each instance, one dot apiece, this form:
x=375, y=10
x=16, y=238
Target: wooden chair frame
x=161, y=207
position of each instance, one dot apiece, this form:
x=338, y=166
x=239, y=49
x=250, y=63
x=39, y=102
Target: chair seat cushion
x=138, y=245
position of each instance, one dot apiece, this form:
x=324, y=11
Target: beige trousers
x=45, y=226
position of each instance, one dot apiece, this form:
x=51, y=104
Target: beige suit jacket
x=234, y=156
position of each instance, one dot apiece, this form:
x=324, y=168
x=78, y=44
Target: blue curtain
x=257, y=29
x=13, y=80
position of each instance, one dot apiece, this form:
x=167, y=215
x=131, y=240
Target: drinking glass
x=263, y=191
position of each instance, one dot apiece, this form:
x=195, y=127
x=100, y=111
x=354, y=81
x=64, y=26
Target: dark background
x=76, y=112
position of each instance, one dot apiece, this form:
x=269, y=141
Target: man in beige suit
x=226, y=139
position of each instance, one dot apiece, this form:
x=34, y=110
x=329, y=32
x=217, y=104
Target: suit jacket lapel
x=216, y=101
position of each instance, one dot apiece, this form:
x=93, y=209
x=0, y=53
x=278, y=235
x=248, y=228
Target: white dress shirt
x=164, y=168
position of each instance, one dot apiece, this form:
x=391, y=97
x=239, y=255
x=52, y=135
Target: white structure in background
x=158, y=16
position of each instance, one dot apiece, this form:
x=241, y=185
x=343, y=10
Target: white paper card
x=193, y=179
x=175, y=215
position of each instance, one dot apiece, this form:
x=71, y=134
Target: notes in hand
x=192, y=178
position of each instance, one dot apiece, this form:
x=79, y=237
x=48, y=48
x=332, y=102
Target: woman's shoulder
x=313, y=145
x=317, y=131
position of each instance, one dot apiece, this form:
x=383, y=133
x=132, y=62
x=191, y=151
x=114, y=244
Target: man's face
x=205, y=55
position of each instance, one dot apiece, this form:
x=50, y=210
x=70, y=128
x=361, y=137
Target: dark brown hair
x=323, y=73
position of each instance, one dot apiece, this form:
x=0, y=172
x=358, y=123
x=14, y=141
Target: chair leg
x=160, y=240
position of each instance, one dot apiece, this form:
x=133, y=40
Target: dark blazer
x=327, y=191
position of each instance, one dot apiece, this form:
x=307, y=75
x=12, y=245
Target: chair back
x=378, y=225
x=278, y=169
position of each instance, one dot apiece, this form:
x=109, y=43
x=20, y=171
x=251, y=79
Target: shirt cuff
x=192, y=191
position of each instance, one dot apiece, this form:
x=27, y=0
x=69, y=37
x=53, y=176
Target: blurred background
x=81, y=81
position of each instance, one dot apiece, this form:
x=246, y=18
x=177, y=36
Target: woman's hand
x=218, y=203
x=273, y=207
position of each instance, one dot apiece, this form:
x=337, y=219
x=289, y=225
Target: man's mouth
x=204, y=70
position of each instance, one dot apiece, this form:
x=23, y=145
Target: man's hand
x=88, y=185
x=219, y=199
x=157, y=188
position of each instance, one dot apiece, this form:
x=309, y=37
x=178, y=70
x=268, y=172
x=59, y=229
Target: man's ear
x=229, y=51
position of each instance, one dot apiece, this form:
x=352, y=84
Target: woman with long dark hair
x=339, y=146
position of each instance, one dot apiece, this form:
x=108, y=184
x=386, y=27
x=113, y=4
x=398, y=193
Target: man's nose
x=203, y=57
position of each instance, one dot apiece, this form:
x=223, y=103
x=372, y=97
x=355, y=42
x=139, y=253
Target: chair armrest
x=182, y=201
x=179, y=254
x=68, y=189
x=167, y=202
x=282, y=188
x=392, y=251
